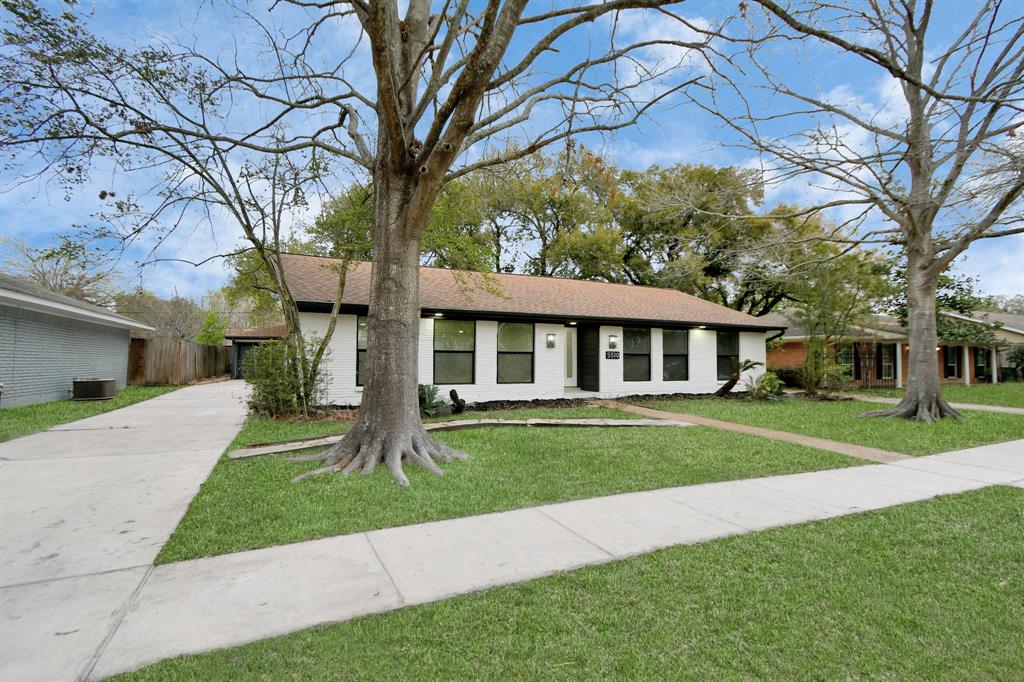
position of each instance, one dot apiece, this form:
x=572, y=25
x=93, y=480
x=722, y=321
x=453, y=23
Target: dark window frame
x=472, y=377
x=719, y=354
x=686, y=355
x=531, y=353
x=360, y=352
x=957, y=364
x=626, y=354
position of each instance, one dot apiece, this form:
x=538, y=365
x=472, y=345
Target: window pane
x=728, y=343
x=636, y=368
x=515, y=337
x=636, y=340
x=727, y=364
x=515, y=368
x=361, y=332
x=453, y=335
x=453, y=368
x=360, y=367
x=676, y=368
x=675, y=341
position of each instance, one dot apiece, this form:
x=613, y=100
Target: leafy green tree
x=213, y=329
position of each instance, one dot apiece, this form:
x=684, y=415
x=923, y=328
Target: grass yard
x=1009, y=394
x=21, y=421
x=262, y=430
x=924, y=591
x=840, y=421
x=252, y=503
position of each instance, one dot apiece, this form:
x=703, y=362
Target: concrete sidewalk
x=956, y=406
x=84, y=509
x=227, y=600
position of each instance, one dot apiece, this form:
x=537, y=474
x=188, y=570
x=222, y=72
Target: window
x=728, y=354
x=844, y=356
x=515, y=353
x=360, y=350
x=981, y=363
x=887, y=360
x=952, y=362
x=454, y=351
x=675, y=360
x=636, y=354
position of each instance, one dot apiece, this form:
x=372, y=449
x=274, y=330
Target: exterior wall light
x=572, y=324
x=551, y=340
x=613, y=341
x=438, y=314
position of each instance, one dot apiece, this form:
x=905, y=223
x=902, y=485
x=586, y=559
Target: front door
x=570, y=357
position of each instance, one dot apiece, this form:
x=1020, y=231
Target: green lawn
x=840, y=421
x=1006, y=395
x=21, y=421
x=925, y=591
x=261, y=430
x=252, y=503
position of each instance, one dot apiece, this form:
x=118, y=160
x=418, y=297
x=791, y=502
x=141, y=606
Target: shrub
x=765, y=386
x=791, y=376
x=428, y=397
x=276, y=380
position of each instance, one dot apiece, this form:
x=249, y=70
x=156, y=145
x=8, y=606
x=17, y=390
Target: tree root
x=361, y=451
x=925, y=411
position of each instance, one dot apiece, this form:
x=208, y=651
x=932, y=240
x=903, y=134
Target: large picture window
x=636, y=354
x=728, y=354
x=454, y=351
x=675, y=360
x=360, y=350
x=515, y=353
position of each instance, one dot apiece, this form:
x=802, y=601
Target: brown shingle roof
x=314, y=280
x=277, y=331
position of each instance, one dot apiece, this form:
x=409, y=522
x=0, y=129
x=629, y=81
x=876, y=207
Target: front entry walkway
x=227, y=600
x=85, y=508
x=858, y=451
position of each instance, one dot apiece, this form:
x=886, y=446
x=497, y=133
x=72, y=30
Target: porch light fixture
x=551, y=340
x=703, y=326
x=613, y=341
x=572, y=324
x=438, y=314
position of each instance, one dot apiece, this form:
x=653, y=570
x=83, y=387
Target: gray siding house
x=46, y=340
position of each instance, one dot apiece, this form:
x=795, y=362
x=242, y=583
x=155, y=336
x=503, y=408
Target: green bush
x=428, y=397
x=765, y=386
x=276, y=379
x=791, y=376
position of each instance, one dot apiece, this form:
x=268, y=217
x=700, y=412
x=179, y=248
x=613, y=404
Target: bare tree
x=935, y=171
x=70, y=267
x=445, y=84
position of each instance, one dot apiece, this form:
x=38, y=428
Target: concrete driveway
x=84, y=509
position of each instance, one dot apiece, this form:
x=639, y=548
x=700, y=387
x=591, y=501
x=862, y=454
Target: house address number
x=611, y=355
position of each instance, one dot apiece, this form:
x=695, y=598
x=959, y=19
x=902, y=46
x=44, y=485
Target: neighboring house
x=520, y=337
x=244, y=340
x=47, y=340
x=878, y=352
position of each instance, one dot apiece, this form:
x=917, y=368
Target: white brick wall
x=549, y=363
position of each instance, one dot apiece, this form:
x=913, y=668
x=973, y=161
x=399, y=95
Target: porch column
x=899, y=365
x=995, y=365
x=967, y=365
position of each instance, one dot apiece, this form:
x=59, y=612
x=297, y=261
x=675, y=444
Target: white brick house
x=519, y=337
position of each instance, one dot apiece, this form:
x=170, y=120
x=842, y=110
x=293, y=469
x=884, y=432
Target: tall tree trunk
x=388, y=428
x=923, y=399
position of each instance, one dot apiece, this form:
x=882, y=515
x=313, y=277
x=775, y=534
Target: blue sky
x=676, y=132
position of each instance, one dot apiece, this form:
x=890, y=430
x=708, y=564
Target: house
x=520, y=337
x=244, y=340
x=47, y=340
x=877, y=352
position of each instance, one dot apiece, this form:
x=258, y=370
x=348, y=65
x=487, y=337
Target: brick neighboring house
x=878, y=351
x=520, y=337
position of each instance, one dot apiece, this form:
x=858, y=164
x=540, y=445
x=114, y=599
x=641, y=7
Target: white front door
x=570, y=357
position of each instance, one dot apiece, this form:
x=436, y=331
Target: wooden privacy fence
x=174, y=361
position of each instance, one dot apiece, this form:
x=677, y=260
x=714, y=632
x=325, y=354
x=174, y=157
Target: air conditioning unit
x=93, y=388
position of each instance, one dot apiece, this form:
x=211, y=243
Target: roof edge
x=25, y=301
